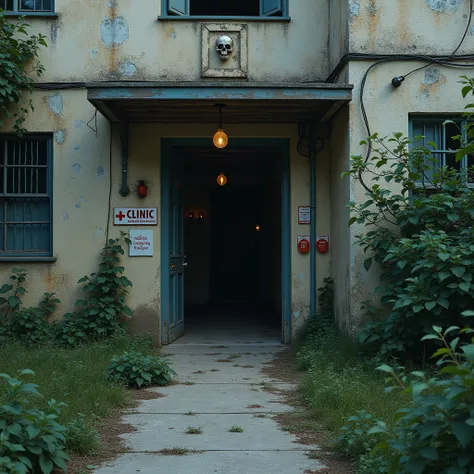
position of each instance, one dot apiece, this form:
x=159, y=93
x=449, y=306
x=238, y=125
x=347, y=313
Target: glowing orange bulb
x=222, y=179
x=220, y=139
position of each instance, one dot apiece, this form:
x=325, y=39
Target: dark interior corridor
x=232, y=239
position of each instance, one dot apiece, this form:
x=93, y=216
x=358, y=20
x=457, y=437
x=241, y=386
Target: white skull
x=224, y=47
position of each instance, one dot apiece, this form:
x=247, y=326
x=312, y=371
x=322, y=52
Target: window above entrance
x=230, y=9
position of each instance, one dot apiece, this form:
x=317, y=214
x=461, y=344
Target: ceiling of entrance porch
x=196, y=103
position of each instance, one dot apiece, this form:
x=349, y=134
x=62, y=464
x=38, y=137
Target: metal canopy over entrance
x=159, y=102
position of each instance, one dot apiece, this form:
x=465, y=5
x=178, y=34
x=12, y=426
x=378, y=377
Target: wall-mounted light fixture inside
x=257, y=228
x=190, y=215
x=220, y=139
x=201, y=217
x=142, y=189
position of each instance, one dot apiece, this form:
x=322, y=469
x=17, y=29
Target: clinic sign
x=135, y=216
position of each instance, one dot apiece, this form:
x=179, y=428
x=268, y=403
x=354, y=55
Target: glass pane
x=15, y=237
x=6, y=5
x=452, y=130
x=432, y=133
x=418, y=131
x=35, y=5
x=451, y=161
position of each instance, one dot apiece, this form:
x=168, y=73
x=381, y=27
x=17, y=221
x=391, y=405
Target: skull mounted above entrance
x=224, y=50
x=224, y=47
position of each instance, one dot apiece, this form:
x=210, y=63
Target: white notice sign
x=142, y=243
x=304, y=215
x=135, y=216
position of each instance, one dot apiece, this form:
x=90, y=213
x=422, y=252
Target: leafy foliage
x=32, y=324
x=30, y=439
x=418, y=225
x=137, y=370
x=99, y=315
x=436, y=433
x=18, y=63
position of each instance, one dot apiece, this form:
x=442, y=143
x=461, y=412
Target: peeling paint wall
x=408, y=26
x=339, y=13
x=118, y=40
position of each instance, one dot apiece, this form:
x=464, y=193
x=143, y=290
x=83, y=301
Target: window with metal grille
x=27, y=6
x=25, y=196
x=435, y=130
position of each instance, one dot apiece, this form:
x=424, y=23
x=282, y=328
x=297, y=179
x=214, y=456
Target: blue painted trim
x=286, y=242
x=166, y=151
x=313, y=293
x=167, y=145
x=32, y=14
x=281, y=19
x=218, y=93
x=31, y=259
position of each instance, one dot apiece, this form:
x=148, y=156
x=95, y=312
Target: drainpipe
x=312, y=164
x=124, y=132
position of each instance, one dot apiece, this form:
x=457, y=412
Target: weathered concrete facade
x=114, y=40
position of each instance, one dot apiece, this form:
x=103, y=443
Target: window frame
x=43, y=13
x=440, y=119
x=165, y=15
x=32, y=256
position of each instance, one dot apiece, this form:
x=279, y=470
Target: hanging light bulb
x=222, y=179
x=220, y=139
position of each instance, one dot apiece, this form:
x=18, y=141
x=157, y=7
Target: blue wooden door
x=173, y=207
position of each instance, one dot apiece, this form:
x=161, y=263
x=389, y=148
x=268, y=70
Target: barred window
x=25, y=196
x=434, y=130
x=27, y=6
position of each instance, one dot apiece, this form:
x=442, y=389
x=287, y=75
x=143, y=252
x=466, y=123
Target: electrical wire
x=448, y=61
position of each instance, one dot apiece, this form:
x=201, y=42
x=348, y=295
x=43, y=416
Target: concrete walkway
x=220, y=386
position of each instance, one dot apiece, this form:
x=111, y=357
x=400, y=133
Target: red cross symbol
x=120, y=216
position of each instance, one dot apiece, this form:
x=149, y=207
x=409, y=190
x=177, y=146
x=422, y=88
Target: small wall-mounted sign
x=141, y=243
x=304, y=237
x=304, y=215
x=135, y=216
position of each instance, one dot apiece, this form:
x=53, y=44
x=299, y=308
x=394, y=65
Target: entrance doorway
x=225, y=278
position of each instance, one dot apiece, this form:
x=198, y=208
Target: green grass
x=236, y=429
x=341, y=380
x=74, y=376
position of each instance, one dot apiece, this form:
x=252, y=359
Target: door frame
x=283, y=144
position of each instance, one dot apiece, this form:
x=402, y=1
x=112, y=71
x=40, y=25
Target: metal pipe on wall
x=312, y=253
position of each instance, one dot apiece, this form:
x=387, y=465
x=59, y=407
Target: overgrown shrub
x=99, y=315
x=136, y=370
x=81, y=437
x=436, y=433
x=32, y=325
x=31, y=440
x=418, y=225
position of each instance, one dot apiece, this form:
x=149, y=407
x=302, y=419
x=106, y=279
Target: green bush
x=136, y=370
x=418, y=225
x=32, y=324
x=435, y=434
x=81, y=437
x=30, y=439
